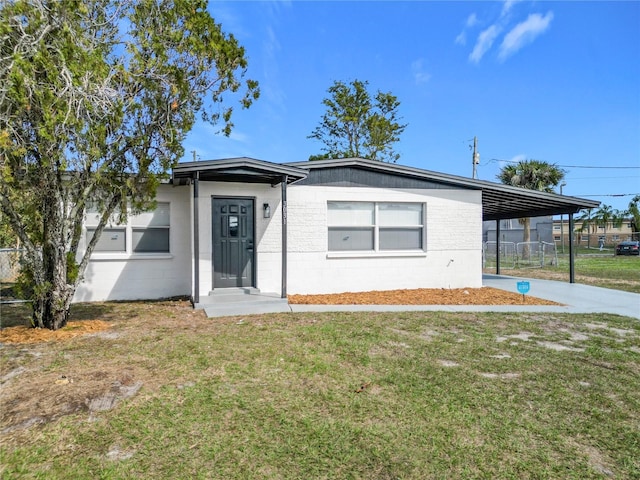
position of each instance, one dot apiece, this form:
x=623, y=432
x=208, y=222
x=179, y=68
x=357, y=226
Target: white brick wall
x=453, y=256
x=115, y=276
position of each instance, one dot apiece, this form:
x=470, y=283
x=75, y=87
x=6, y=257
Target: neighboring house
x=325, y=226
x=592, y=234
x=511, y=230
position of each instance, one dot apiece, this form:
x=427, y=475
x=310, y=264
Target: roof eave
x=237, y=167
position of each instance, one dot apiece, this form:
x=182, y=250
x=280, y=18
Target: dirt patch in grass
x=46, y=375
x=422, y=296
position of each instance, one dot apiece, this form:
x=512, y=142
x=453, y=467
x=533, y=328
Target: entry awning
x=242, y=169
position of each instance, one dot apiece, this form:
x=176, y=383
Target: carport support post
x=497, y=247
x=196, y=241
x=283, y=293
x=572, y=267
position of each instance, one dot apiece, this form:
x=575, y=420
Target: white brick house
x=326, y=226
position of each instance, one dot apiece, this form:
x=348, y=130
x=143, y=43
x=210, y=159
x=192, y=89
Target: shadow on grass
x=19, y=314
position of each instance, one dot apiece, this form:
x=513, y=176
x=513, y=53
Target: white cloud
x=524, y=33
x=507, y=5
x=471, y=21
x=419, y=75
x=240, y=137
x=484, y=42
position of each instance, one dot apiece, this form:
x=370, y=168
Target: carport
x=501, y=202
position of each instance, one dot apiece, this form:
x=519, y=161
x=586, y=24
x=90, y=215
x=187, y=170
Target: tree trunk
x=52, y=310
x=52, y=292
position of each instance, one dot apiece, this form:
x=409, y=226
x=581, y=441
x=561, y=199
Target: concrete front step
x=224, y=292
x=241, y=301
x=247, y=308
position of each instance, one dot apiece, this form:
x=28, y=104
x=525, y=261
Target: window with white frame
x=375, y=226
x=150, y=230
x=146, y=232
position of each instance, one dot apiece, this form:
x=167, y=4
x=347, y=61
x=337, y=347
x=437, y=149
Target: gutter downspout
x=283, y=293
x=196, y=240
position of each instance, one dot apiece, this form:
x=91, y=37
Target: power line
x=601, y=178
x=608, y=195
x=566, y=166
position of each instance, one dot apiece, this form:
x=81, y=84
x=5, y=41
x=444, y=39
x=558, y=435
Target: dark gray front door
x=233, y=238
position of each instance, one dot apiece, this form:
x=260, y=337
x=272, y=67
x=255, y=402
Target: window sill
x=384, y=254
x=107, y=257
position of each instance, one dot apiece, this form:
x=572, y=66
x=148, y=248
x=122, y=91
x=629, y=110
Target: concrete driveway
x=578, y=298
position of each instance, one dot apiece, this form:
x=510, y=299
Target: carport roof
x=498, y=201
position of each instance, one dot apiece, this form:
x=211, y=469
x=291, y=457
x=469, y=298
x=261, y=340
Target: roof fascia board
x=269, y=168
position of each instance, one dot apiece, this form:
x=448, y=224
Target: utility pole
x=476, y=157
x=194, y=155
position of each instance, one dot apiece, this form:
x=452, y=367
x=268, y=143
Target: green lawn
x=600, y=270
x=349, y=396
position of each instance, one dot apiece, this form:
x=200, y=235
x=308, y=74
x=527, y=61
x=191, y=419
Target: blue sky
x=552, y=81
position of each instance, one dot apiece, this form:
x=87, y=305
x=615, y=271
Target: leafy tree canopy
x=357, y=124
x=96, y=97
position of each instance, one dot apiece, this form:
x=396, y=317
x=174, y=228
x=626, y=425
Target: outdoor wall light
x=266, y=210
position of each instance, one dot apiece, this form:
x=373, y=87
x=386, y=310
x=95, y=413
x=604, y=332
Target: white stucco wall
x=452, y=257
x=121, y=276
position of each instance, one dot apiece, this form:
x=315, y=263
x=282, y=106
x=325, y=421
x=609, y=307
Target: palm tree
x=588, y=224
x=604, y=217
x=533, y=175
x=634, y=213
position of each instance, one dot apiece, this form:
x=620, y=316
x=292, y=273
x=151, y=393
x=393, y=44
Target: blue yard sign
x=523, y=287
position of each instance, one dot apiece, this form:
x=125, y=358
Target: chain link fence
x=9, y=264
x=508, y=257
x=522, y=254
x=536, y=254
x=9, y=271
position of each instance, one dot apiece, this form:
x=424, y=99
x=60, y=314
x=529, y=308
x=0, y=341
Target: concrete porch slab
x=225, y=302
